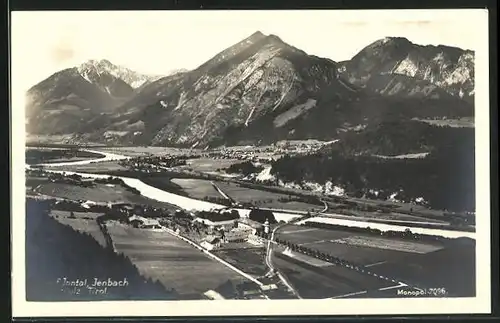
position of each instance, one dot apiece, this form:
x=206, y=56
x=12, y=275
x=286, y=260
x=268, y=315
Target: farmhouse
x=251, y=225
x=236, y=235
x=144, y=223
x=211, y=243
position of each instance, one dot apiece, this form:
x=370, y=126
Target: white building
x=247, y=224
x=210, y=243
x=226, y=225
x=237, y=235
x=145, y=223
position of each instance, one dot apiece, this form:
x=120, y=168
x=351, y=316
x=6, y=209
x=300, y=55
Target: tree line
x=400, y=137
x=218, y=216
x=445, y=178
x=246, y=168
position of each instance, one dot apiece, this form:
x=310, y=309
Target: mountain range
x=257, y=91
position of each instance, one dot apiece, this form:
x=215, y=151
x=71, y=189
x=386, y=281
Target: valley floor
x=388, y=264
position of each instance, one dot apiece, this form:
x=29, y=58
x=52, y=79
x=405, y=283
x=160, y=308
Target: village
x=256, y=154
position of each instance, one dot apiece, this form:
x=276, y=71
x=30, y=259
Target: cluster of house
x=301, y=147
x=129, y=212
x=244, y=156
x=232, y=231
x=220, y=232
x=157, y=163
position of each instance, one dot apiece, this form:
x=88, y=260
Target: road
x=269, y=251
x=268, y=258
x=269, y=263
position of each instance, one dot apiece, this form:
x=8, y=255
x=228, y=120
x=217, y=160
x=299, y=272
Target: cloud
x=62, y=52
x=355, y=23
x=418, y=23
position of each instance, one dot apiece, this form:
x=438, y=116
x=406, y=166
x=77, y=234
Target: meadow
x=162, y=256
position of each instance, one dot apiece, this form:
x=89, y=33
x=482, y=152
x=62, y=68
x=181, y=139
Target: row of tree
x=317, y=254
x=217, y=200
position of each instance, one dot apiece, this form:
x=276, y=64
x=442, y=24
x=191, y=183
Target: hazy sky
x=157, y=42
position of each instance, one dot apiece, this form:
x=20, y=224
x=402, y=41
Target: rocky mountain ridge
x=396, y=66
x=259, y=90
x=133, y=79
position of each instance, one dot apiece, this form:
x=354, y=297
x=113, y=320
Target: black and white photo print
x=250, y=162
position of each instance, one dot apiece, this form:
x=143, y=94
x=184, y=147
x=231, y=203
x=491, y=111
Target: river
x=191, y=204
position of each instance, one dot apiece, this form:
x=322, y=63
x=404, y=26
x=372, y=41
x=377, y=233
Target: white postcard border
x=476, y=18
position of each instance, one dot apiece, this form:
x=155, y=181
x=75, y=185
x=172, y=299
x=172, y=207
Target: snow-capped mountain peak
x=99, y=67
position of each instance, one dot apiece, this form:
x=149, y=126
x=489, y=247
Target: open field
x=249, y=260
x=99, y=193
x=196, y=188
x=315, y=282
x=209, y=164
x=388, y=244
x=97, y=168
x=199, y=188
x=242, y=194
x=57, y=155
x=83, y=222
x=302, y=235
x=354, y=247
x=173, y=262
x=425, y=265
x=452, y=268
x=145, y=151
